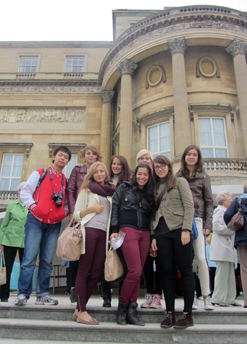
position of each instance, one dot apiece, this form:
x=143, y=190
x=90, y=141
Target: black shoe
x=133, y=316
x=4, y=300
x=107, y=303
x=169, y=320
x=122, y=313
x=184, y=321
x=72, y=295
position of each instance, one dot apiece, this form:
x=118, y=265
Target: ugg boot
x=122, y=313
x=133, y=316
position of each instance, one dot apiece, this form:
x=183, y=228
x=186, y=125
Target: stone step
x=60, y=331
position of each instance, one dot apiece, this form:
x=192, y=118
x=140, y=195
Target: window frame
x=164, y=152
x=74, y=56
x=20, y=56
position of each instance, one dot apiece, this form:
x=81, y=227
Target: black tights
x=172, y=253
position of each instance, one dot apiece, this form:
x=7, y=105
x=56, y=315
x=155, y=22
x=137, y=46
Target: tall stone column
x=181, y=114
x=126, y=69
x=237, y=49
x=105, y=137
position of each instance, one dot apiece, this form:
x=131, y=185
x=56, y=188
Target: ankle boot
x=107, y=301
x=184, y=321
x=106, y=291
x=169, y=320
x=133, y=316
x=122, y=313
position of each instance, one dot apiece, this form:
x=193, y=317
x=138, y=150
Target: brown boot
x=122, y=313
x=184, y=321
x=169, y=320
x=133, y=316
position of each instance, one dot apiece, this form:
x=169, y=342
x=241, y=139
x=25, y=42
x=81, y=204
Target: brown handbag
x=69, y=242
x=113, y=266
x=2, y=268
x=237, y=221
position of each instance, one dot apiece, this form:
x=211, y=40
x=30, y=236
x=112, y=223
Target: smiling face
x=142, y=176
x=161, y=170
x=191, y=158
x=116, y=166
x=145, y=159
x=99, y=175
x=90, y=157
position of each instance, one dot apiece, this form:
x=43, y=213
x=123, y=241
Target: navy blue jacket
x=241, y=235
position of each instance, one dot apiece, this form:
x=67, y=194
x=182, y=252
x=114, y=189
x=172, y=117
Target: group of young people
x=153, y=207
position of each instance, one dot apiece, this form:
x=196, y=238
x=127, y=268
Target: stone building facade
x=168, y=79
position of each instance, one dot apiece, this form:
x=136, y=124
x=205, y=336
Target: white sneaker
x=208, y=304
x=149, y=300
x=195, y=304
x=156, y=301
x=21, y=300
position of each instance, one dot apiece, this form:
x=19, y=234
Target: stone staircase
x=39, y=324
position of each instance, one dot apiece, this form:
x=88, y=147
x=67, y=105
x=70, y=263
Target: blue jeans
x=39, y=238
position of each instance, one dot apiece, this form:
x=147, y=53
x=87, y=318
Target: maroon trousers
x=135, y=249
x=90, y=268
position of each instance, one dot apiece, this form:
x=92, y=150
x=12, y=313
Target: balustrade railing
x=8, y=195
x=225, y=164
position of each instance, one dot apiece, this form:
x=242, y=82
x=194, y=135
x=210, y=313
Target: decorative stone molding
x=25, y=75
x=123, y=47
x=48, y=89
x=107, y=96
x=237, y=47
x=127, y=67
x=46, y=115
x=17, y=147
x=177, y=45
x=204, y=64
x=155, y=75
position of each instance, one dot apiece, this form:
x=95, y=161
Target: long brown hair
x=89, y=176
x=170, y=178
x=198, y=166
x=125, y=174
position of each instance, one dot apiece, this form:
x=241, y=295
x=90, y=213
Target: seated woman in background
x=93, y=210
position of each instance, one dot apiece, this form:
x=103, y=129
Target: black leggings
x=172, y=253
x=152, y=278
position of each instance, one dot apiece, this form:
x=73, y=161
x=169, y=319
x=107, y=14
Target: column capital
x=127, y=67
x=237, y=47
x=107, y=96
x=177, y=45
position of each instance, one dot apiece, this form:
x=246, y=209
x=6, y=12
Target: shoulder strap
x=42, y=177
x=160, y=196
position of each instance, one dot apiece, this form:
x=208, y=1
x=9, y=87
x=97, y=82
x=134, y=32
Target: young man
x=45, y=200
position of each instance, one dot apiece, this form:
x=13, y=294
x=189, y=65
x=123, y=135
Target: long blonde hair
x=89, y=176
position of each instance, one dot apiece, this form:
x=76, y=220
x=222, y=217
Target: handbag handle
x=2, y=259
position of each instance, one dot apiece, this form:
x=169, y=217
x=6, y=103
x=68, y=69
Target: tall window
x=11, y=169
x=159, y=139
x=28, y=64
x=71, y=164
x=213, y=137
x=74, y=64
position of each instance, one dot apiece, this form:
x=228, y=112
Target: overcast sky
x=77, y=20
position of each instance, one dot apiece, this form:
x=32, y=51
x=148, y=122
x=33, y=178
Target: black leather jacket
x=128, y=211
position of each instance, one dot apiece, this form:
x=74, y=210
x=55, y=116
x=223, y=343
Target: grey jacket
x=222, y=244
x=176, y=207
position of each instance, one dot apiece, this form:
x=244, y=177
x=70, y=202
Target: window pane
x=28, y=64
x=17, y=167
x=68, y=168
x=220, y=153
x=159, y=139
x=74, y=64
x=207, y=153
x=11, y=171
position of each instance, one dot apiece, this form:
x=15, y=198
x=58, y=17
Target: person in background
x=131, y=213
x=224, y=254
x=151, y=269
x=65, y=264
x=47, y=208
x=119, y=172
x=211, y=264
x=78, y=173
x=93, y=210
x=171, y=238
x=199, y=182
x=12, y=234
x=240, y=241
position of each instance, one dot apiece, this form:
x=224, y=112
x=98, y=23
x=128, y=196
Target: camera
x=57, y=198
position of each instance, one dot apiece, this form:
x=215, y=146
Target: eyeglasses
x=160, y=167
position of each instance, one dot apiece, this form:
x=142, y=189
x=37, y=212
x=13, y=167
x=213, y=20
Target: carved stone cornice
x=43, y=115
x=127, y=67
x=237, y=47
x=177, y=45
x=107, y=96
x=172, y=21
x=17, y=147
